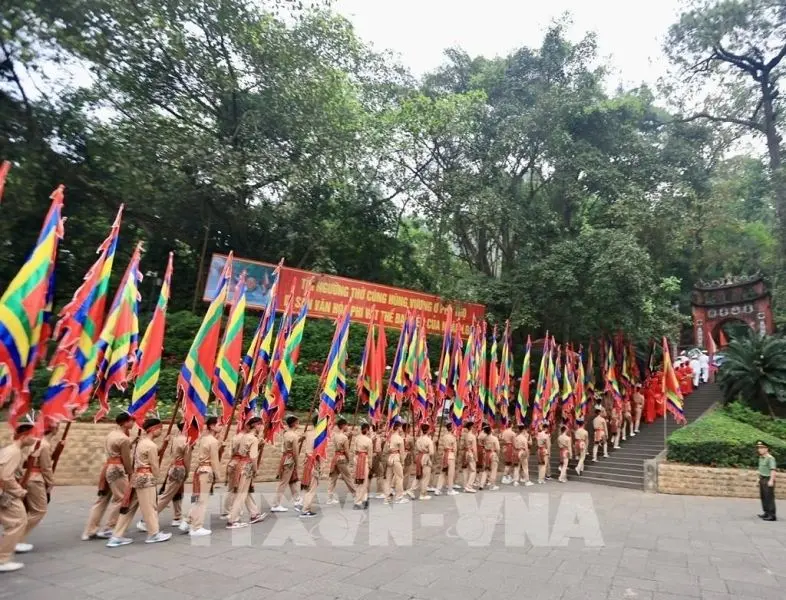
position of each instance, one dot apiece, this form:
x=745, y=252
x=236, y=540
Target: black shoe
x=770, y=519
x=763, y=515
x=365, y=505
x=308, y=515
x=357, y=507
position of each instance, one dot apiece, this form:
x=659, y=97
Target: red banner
x=331, y=294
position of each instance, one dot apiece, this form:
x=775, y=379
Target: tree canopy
x=273, y=130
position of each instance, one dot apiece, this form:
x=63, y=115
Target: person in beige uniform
x=638, y=405
x=394, y=473
x=288, y=467
x=601, y=435
x=543, y=442
x=312, y=471
x=480, y=457
x=408, y=459
x=244, y=459
x=447, y=473
x=521, y=444
x=565, y=453
x=339, y=466
x=581, y=443
x=113, y=481
x=461, y=443
x=142, y=494
x=206, y=469
x=364, y=458
x=470, y=457
x=172, y=490
x=507, y=438
x=424, y=453
x=13, y=516
x=379, y=462
x=491, y=450
x=40, y=481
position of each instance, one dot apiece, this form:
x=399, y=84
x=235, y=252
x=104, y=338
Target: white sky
x=630, y=32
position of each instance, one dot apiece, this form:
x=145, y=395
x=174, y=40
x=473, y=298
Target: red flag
x=4, y=168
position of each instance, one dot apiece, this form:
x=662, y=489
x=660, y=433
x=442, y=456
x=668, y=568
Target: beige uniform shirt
x=145, y=463
x=491, y=444
x=449, y=444
x=396, y=447
x=599, y=424
x=638, y=400
x=563, y=442
x=118, y=445
x=179, y=447
x=521, y=442
x=363, y=443
x=481, y=440
x=290, y=447
x=340, y=444
x=581, y=435
x=43, y=463
x=248, y=445
x=10, y=463
x=425, y=445
x=207, y=454
x=471, y=444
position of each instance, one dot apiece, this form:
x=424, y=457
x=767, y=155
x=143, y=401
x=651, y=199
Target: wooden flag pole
x=172, y=419
x=58, y=451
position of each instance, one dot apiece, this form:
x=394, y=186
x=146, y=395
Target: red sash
x=361, y=464
x=419, y=464
x=542, y=454
x=446, y=457
x=308, y=471
x=563, y=454
x=510, y=453
x=334, y=462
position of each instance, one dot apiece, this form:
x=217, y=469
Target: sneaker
x=436, y=492
x=9, y=566
x=176, y=523
x=224, y=516
x=332, y=501
x=452, y=493
x=516, y=484
x=279, y=508
x=456, y=486
x=506, y=480
x=114, y=542
x=23, y=548
x=201, y=532
x=357, y=506
x=411, y=494
x=541, y=482
x=298, y=504
x=431, y=490
x=140, y=526
x=184, y=527
x=635, y=431
x=257, y=518
x=402, y=500
x=633, y=434
x=158, y=537
x=236, y=525
x=104, y=534
x=594, y=460
x=528, y=483
x=470, y=490
x=606, y=455
x=493, y=488
x=365, y=505
x=87, y=538
x=380, y=496
x=426, y=497
x=307, y=514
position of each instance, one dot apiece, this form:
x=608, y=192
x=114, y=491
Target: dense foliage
x=519, y=181
x=718, y=440
x=744, y=414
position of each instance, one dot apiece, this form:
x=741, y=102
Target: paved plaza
x=573, y=541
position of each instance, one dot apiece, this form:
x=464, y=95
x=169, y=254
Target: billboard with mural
x=331, y=293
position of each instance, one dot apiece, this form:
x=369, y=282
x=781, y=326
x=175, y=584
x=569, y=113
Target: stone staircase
x=625, y=467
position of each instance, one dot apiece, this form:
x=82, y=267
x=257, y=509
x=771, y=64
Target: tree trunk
x=775, y=161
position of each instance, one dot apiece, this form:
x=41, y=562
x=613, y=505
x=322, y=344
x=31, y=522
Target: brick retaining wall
x=675, y=478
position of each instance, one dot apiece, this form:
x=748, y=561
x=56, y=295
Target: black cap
x=211, y=421
x=150, y=423
x=291, y=420
x=341, y=421
x=180, y=426
x=23, y=428
x=469, y=423
x=253, y=421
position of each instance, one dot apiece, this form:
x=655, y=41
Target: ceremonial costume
x=245, y=455
x=288, y=467
x=480, y=457
x=364, y=458
x=600, y=436
x=378, y=463
x=521, y=445
x=508, y=454
x=175, y=482
x=615, y=427
x=206, y=469
x=40, y=481
x=565, y=453
x=339, y=466
x=470, y=459
x=13, y=516
x=424, y=452
x=490, y=450
x=543, y=440
x=394, y=473
x=581, y=439
x=447, y=475
x=113, y=481
x=311, y=474
x=638, y=406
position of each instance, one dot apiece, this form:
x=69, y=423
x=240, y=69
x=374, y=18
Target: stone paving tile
x=672, y=547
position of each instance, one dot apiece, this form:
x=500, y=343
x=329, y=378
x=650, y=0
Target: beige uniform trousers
x=341, y=470
x=361, y=489
x=311, y=492
x=286, y=475
x=394, y=474
x=171, y=487
x=145, y=500
x=242, y=498
x=196, y=516
x=109, y=504
x=35, y=503
x=448, y=474
x=13, y=518
x=521, y=472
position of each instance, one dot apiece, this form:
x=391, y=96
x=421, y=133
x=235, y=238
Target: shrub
x=739, y=412
x=754, y=370
x=717, y=440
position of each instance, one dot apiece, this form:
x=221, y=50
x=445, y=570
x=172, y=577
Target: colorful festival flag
x=378, y=365
x=522, y=400
x=197, y=370
x=147, y=367
x=505, y=374
x=493, y=380
x=671, y=387
x=23, y=311
x=227, y=369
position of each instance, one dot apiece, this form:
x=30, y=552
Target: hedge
x=717, y=440
x=740, y=412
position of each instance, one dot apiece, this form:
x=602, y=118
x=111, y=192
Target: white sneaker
x=402, y=500
x=411, y=494
x=279, y=508
x=257, y=518
x=104, y=534
x=140, y=526
x=453, y=493
x=9, y=566
x=528, y=483
x=516, y=484
x=633, y=434
x=431, y=490
x=470, y=490
x=86, y=538
x=158, y=537
x=201, y=532
x=236, y=525
x=332, y=501
x=184, y=527
x=176, y=523
x=380, y=496
x=436, y=492
x=426, y=497
x=456, y=486
x=23, y=548
x=493, y=488
x=115, y=542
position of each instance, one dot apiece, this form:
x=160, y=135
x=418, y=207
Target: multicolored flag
x=493, y=380
x=463, y=387
x=22, y=311
x=589, y=379
x=671, y=387
x=329, y=399
x=612, y=385
x=522, y=400
x=284, y=326
x=397, y=385
x=117, y=345
x=197, y=370
x=81, y=322
x=445, y=358
x=363, y=386
x=147, y=367
x=505, y=373
x=227, y=369
x=580, y=393
x=378, y=365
